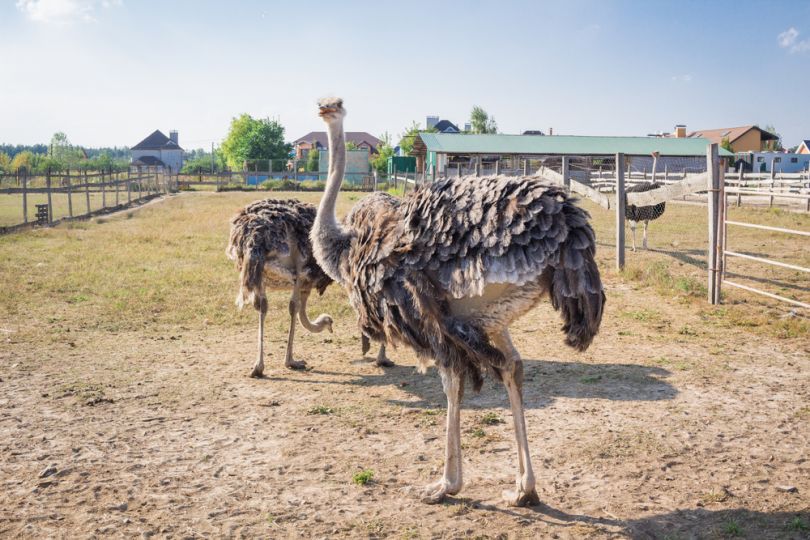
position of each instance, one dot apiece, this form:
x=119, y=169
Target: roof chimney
x=173, y=137
x=680, y=131
x=551, y=131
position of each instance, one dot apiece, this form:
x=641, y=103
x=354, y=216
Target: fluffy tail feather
x=251, y=289
x=576, y=288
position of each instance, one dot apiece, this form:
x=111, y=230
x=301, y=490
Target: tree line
x=249, y=139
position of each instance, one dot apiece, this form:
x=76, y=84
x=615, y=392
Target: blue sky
x=108, y=72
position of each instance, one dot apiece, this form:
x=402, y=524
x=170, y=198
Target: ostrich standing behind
x=634, y=213
x=450, y=269
x=269, y=240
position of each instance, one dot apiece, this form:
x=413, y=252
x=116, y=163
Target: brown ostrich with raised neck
x=449, y=269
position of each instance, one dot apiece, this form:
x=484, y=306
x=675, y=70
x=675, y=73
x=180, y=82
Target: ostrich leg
x=644, y=238
x=382, y=359
x=451, y=481
x=294, y=301
x=633, y=228
x=258, y=367
x=512, y=375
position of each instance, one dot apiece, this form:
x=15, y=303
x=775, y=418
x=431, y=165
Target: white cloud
x=63, y=11
x=682, y=78
x=789, y=39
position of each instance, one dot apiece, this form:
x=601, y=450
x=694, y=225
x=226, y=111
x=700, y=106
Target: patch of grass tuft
x=321, y=409
x=732, y=528
x=491, y=419
x=363, y=477
x=797, y=524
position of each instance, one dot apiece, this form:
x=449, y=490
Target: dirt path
x=645, y=435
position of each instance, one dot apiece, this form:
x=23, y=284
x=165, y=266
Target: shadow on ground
x=545, y=380
x=689, y=523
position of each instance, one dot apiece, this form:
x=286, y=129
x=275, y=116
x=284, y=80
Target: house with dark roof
x=158, y=150
x=441, y=126
x=804, y=147
x=317, y=140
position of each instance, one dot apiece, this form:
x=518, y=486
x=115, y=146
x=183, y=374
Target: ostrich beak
x=326, y=110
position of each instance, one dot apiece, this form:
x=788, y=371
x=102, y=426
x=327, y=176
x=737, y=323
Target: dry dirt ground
x=126, y=409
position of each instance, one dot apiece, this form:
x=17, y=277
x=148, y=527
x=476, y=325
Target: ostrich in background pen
x=448, y=270
x=269, y=240
x=634, y=213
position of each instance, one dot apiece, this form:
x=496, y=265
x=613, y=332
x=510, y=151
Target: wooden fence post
x=739, y=187
x=712, y=166
x=525, y=166
x=620, y=206
x=117, y=183
x=70, y=197
x=87, y=191
x=721, y=233
x=566, y=173
x=25, y=195
x=50, y=202
x=103, y=192
x=129, y=188
x=498, y=167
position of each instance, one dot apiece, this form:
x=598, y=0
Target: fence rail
x=78, y=195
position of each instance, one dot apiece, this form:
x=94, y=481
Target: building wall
x=172, y=158
x=749, y=142
x=357, y=165
x=787, y=163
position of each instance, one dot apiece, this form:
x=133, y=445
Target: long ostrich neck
x=329, y=238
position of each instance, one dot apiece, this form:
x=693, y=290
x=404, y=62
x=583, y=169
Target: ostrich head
x=331, y=109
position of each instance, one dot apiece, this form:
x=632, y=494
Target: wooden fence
x=110, y=190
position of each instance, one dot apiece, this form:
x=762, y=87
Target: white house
x=779, y=161
x=158, y=150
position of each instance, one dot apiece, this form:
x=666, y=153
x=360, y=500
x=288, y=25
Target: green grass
x=491, y=419
x=732, y=528
x=363, y=477
x=797, y=524
x=321, y=409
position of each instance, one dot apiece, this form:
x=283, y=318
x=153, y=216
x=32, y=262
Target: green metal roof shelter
x=575, y=145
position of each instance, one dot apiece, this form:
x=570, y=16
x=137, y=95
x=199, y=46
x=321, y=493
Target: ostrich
x=450, y=269
x=634, y=213
x=269, y=240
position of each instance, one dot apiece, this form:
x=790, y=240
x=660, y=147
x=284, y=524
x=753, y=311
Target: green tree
x=777, y=144
x=724, y=143
x=250, y=138
x=351, y=145
x=384, y=151
x=63, y=154
x=481, y=122
x=313, y=158
x=23, y=160
x=407, y=138
x=5, y=162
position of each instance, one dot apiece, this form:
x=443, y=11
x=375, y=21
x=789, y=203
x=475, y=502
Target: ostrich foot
x=383, y=361
x=520, y=497
x=365, y=344
x=258, y=371
x=435, y=492
x=295, y=364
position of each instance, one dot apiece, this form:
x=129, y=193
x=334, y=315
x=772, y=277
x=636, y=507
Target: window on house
x=794, y=160
x=760, y=159
x=777, y=160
